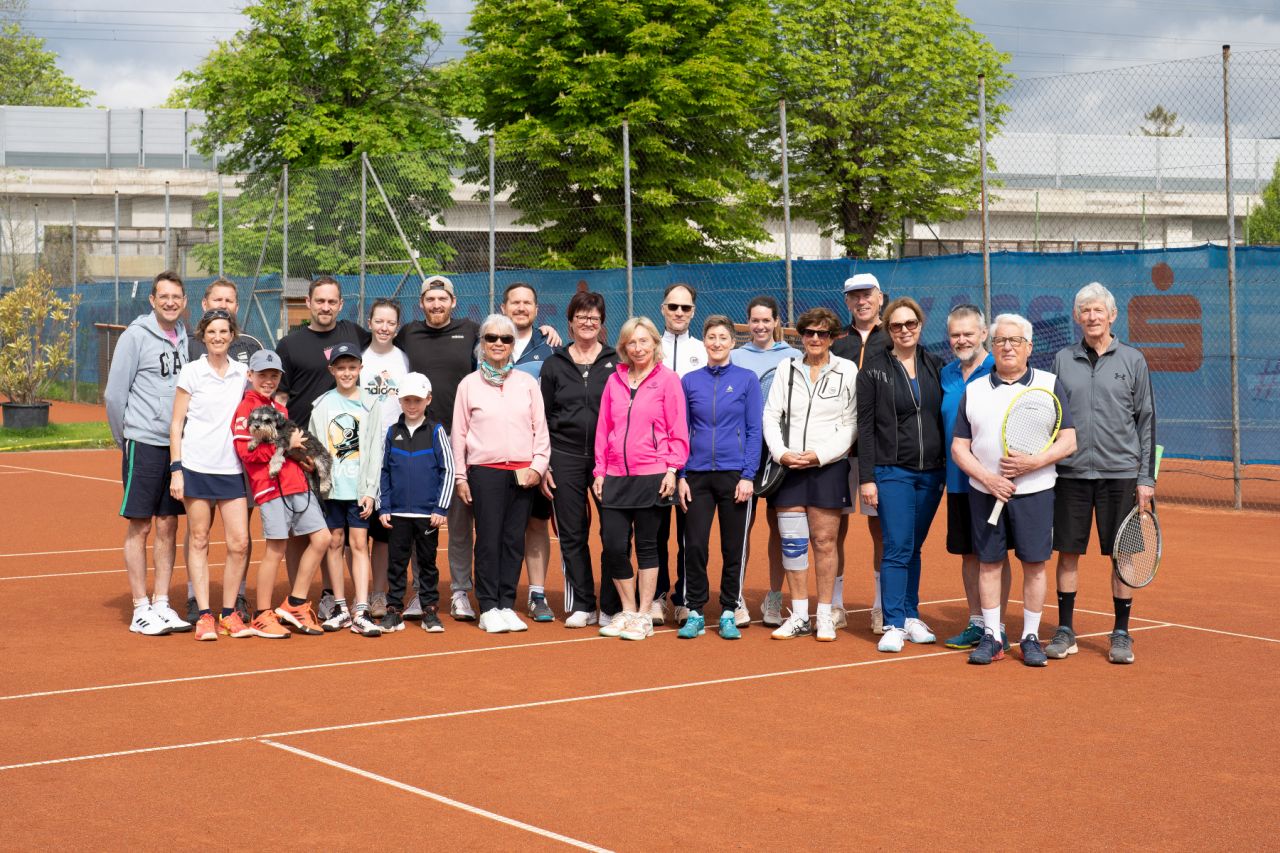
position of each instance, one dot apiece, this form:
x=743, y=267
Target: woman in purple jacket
x=642, y=440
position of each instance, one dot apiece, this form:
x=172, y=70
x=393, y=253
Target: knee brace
x=793, y=527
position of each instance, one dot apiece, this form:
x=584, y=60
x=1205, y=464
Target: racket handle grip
x=995, y=512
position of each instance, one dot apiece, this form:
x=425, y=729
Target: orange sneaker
x=206, y=628
x=267, y=626
x=300, y=617
x=233, y=626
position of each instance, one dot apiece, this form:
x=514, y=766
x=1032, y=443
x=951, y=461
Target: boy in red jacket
x=288, y=509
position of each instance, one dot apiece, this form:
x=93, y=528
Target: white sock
x=800, y=608
x=879, y=603
x=824, y=610
x=140, y=602
x=1031, y=623
x=160, y=600
x=533, y=590
x=191, y=590
x=990, y=621
x=837, y=595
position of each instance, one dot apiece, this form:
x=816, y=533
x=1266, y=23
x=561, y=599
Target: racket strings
x=1030, y=426
x=1137, y=550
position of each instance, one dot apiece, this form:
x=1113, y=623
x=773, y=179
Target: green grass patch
x=60, y=389
x=56, y=437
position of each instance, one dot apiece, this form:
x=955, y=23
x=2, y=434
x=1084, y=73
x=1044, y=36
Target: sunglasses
x=216, y=314
x=908, y=326
x=493, y=339
x=676, y=307
x=814, y=333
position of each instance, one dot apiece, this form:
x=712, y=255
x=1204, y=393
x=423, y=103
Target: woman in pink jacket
x=500, y=449
x=642, y=439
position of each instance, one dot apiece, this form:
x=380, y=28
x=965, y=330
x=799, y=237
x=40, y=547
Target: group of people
x=499, y=432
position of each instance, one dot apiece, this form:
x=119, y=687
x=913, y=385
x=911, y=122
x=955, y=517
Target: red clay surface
x=659, y=744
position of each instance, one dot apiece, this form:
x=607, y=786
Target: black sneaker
x=1032, y=653
x=391, y=620
x=431, y=619
x=1121, y=647
x=989, y=650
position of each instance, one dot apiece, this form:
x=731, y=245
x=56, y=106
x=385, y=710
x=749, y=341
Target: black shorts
x=378, y=533
x=959, y=526
x=144, y=470
x=1076, y=504
x=1025, y=526
x=541, y=507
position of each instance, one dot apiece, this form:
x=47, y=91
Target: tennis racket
x=1135, y=556
x=1030, y=425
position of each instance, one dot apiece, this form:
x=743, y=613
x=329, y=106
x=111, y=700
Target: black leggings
x=573, y=485
x=615, y=539
x=712, y=492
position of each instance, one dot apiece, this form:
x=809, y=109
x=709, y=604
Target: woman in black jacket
x=572, y=383
x=901, y=462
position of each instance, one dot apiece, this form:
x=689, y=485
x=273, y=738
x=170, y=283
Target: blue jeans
x=908, y=501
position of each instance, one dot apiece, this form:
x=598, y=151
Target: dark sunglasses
x=491, y=338
x=909, y=325
x=674, y=307
x=216, y=314
x=815, y=333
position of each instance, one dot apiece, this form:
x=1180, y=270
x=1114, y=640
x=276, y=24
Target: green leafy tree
x=882, y=112
x=1263, y=224
x=556, y=78
x=30, y=76
x=315, y=84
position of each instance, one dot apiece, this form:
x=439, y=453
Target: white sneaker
x=795, y=626
x=514, y=622
x=918, y=632
x=741, y=616
x=414, y=610
x=326, y=606
x=148, y=623
x=826, y=630
x=658, y=612
x=839, y=617
x=638, y=627
x=771, y=610
x=613, y=628
x=578, y=619
x=893, y=639
x=877, y=620
x=170, y=617
x=682, y=615
x=494, y=622
x=460, y=607
x=339, y=620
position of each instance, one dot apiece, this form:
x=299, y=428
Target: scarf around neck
x=495, y=375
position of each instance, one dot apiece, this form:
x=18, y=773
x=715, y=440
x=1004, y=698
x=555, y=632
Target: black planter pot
x=25, y=415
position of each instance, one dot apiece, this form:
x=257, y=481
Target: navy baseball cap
x=342, y=350
x=265, y=359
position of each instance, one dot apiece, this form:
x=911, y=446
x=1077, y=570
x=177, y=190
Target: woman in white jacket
x=809, y=426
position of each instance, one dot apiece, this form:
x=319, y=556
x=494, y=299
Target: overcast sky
x=130, y=55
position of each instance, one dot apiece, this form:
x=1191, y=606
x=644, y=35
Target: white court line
x=568, y=700
x=1164, y=623
x=100, y=572
x=439, y=798
x=113, y=481
x=96, y=550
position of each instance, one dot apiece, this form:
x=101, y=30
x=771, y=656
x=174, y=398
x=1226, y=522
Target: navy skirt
x=826, y=487
x=212, y=487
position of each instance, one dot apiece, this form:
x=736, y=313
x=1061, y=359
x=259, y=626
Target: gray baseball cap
x=265, y=359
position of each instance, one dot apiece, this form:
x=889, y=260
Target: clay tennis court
x=556, y=738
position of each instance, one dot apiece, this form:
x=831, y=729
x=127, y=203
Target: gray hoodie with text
x=143, y=378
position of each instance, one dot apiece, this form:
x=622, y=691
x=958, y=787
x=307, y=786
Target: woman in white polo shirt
x=206, y=471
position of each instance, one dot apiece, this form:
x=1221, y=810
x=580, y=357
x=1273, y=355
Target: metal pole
x=364, y=224
x=395, y=220
x=626, y=206
x=35, y=235
x=115, y=253
x=1231, y=280
x=1037, y=228
x=220, y=242
x=75, y=320
x=284, y=252
x=982, y=155
x=493, y=220
x=166, y=226
x=786, y=213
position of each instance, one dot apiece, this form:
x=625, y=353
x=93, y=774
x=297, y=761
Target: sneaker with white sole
x=514, y=622
x=839, y=617
x=378, y=605
x=658, y=612
x=613, y=627
x=460, y=607
x=539, y=610
x=825, y=631
x=493, y=622
x=1062, y=644
x=893, y=640
x=414, y=610
x=340, y=619
x=682, y=615
x=771, y=610
x=877, y=620
x=918, y=632
x=363, y=624
x=578, y=619
x=148, y=623
x=639, y=626
x=794, y=626
x=170, y=617
x=431, y=620
x=741, y=616
x=328, y=604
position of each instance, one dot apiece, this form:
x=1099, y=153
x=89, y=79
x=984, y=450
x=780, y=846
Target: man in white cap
x=864, y=298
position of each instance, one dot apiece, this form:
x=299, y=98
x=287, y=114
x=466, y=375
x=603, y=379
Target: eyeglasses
x=586, y=318
x=908, y=326
x=493, y=339
x=814, y=333
x=1015, y=341
x=677, y=308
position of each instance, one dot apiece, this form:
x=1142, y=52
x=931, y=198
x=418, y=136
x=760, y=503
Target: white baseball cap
x=414, y=385
x=861, y=281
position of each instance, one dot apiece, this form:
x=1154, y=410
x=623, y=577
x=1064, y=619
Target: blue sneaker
x=729, y=626
x=694, y=626
x=1032, y=653
x=988, y=651
x=966, y=639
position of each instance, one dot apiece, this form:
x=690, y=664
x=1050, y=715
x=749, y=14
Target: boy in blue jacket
x=416, y=486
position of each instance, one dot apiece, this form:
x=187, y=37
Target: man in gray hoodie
x=139, y=398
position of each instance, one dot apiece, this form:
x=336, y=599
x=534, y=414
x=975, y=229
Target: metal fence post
x=395, y=220
x=982, y=155
x=284, y=253
x=220, y=241
x=167, y=263
x=115, y=253
x=493, y=224
x=35, y=236
x=364, y=224
x=626, y=206
x=786, y=213
x=75, y=309
x=1231, y=280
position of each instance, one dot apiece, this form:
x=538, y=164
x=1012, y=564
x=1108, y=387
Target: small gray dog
x=267, y=426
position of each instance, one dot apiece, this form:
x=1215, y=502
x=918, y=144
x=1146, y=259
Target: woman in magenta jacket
x=642, y=439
